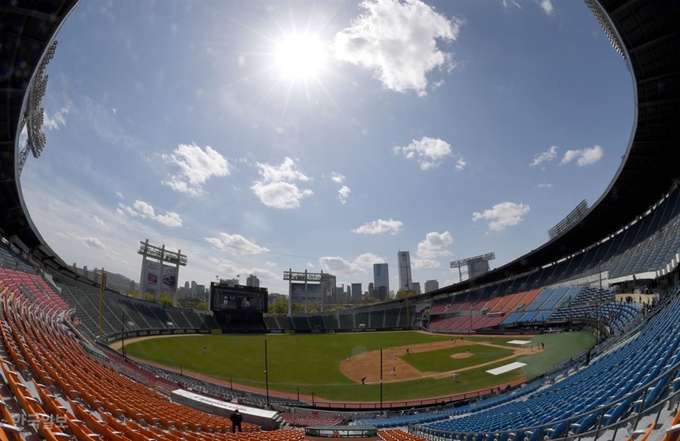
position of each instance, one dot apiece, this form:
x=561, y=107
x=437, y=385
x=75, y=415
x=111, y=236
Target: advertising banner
x=165, y=281
x=152, y=274
x=169, y=279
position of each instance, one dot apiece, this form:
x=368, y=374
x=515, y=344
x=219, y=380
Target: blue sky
x=258, y=136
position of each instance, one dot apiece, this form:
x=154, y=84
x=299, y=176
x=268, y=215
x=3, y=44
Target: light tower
x=475, y=265
x=157, y=275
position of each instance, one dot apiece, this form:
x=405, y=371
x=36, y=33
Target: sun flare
x=299, y=56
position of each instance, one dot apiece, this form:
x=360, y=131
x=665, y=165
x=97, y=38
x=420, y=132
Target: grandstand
x=63, y=383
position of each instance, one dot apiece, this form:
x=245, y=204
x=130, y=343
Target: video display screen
x=225, y=299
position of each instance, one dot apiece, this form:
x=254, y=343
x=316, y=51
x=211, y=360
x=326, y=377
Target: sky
x=260, y=136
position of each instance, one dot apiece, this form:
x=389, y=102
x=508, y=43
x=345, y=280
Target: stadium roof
x=645, y=31
x=26, y=30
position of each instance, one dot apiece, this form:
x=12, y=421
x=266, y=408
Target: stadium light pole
x=597, y=315
x=122, y=332
x=102, y=283
x=381, y=379
x=266, y=372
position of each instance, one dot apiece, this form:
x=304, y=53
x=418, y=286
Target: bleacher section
x=618, y=315
x=304, y=420
x=90, y=400
x=124, y=313
x=536, y=306
x=379, y=317
x=9, y=261
x=622, y=372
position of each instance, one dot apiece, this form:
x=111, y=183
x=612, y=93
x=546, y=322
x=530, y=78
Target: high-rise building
x=381, y=293
x=404, y=261
x=253, y=281
x=416, y=288
x=370, y=290
x=431, y=285
x=381, y=278
x=328, y=282
x=356, y=293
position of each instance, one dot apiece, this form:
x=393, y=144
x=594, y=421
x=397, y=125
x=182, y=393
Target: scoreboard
x=237, y=298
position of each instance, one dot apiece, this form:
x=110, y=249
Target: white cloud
x=500, y=216
x=368, y=259
x=337, y=177
x=380, y=226
x=397, y=40
x=145, y=210
x=236, y=243
x=340, y=266
x=99, y=221
x=545, y=185
x=272, y=264
x=287, y=172
x=460, y=164
x=310, y=265
x=587, y=156
x=434, y=245
x=169, y=219
x=232, y=269
x=281, y=195
x=92, y=242
x=424, y=263
x=56, y=120
x=277, y=187
x=120, y=195
x=429, y=152
x=547, y=7
x=196, y=167
x=544, y=157
x=343, y=194
x=507, y=4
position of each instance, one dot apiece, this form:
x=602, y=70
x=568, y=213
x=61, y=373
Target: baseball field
x=415, y=364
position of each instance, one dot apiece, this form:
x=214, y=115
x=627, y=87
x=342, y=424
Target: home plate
x=506, y=368
x=519, y=342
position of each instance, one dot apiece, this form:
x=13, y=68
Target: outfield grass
x=559, y=347
x=310, y=363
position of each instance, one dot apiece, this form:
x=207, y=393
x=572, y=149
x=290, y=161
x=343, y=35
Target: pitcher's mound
x=461, y=355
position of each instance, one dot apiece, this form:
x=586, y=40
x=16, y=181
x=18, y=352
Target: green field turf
x=310, y=363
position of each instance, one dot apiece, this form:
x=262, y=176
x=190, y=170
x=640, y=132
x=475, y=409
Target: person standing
x=236, y=420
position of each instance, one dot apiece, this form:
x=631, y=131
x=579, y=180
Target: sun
x=299, y=56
